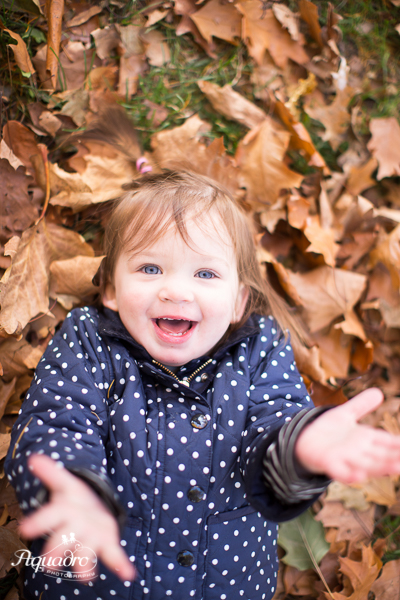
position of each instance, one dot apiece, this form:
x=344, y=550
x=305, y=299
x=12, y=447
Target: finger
x=362, y=404
x=50, y=473
x=116, y=560
x=42, y=521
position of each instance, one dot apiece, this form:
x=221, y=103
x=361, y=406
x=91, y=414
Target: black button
x=196, y=494
x=198, y=421
x=185, y=558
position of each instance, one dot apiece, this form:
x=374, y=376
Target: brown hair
x=163, y=200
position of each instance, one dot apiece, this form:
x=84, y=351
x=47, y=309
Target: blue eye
x=205, y=275
x=151, y=270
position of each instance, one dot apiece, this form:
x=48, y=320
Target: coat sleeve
x=276, y=394
x=64, y=414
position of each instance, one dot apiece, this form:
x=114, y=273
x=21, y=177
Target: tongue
x=173, y=326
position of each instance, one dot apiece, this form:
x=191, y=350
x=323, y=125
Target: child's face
x=178, y=301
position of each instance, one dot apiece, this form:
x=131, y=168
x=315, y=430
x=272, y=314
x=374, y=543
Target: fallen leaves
x=333, y=253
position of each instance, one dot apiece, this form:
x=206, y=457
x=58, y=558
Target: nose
x=176, y=290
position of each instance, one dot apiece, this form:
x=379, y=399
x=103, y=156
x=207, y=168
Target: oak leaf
x=322, y=240
x=219, y=19
x=351, y=525
x=361, y=574
x=349, y=495
x=55, y=11
x=334, y=117
x=264, y=32
x=156, y=48
x=327, y=294
x=25, y=294
x=21, y=141
x=181, y=148
x=387, y=252
x=260, y=159
x=106, y=40
x=384, y=145
x=232, y=105
x=289, y=20
x=387, y=586
x=74, y=277
x=380, y=490
x=18, y=357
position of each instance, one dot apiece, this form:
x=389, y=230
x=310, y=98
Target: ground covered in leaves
x=290, y=105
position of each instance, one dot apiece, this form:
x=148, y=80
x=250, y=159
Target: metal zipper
x=186, y=380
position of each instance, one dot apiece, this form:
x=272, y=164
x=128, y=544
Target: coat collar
x=111, y=325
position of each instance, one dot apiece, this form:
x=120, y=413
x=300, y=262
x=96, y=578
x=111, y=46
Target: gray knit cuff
x=290, y=482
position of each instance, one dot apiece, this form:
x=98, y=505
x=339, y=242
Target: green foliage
x=174, y=87
x=302, y=538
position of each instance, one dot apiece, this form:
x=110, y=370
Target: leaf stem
x=45, y=157
x=314, y=562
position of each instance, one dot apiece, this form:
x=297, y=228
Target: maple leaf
x=334, y=117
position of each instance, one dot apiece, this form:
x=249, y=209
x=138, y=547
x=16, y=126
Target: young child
x=181, y=395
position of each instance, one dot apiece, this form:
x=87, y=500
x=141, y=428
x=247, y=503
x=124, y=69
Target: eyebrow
x=205, y=257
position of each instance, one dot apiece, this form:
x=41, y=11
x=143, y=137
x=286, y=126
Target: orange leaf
x=361, y=574
x=387, y=586
x=232, y=105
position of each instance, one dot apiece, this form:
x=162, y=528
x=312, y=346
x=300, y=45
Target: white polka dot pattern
x=178, y=457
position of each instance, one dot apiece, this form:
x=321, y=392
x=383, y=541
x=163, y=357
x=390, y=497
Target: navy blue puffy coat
x=185, y=461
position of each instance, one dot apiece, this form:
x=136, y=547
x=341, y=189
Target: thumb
x=364, y=403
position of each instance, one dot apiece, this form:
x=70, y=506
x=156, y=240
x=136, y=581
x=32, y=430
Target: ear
x=241, y=301
x=109, y=298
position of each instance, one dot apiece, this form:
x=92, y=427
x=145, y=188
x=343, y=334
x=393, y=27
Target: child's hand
x=337, y=446
x=73, y=506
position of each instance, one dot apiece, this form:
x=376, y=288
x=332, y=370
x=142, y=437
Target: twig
x=314, y=562
x=44, y=153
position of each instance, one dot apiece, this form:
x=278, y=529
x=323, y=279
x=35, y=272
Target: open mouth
x=174, y=327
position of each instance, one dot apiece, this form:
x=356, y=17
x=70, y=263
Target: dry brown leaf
x=8, y=154
x=181, y=148
x=156, y=15
x=351, y=524
x=264, y=32
x=352, y=251
x=322, y=240
x=6, y=391
x=21, y=53
x=132, y=59
x=351, y=497
x=361, y=574
x=387, y=586
x=76, y=105
x=380, y=490
x=309, y=14
x=289, y=20
x=327, y=294
x=323, y=395
x=219, y=19
x=5, y=439
x=156, y=48
x=74, y=276
x=298, y=210
x=21, y=141
x=359, y=177
x=157, y=113
x=301, y=139
x=334, y=117
x=25, y=294
x=232, y=105
x=387, y=252
x=9, y=543
x=17, y=211
x=260, y=158
x=55, y=11
x=299, y=583
x=84, y=16
x=308, y=361
x=385, y=146
x=335, y=349
x=106, y=40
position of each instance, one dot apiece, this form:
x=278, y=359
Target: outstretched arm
x=336, y=445
x=74, y=506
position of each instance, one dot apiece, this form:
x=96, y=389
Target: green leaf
x=302, y=538
x=29, y=6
